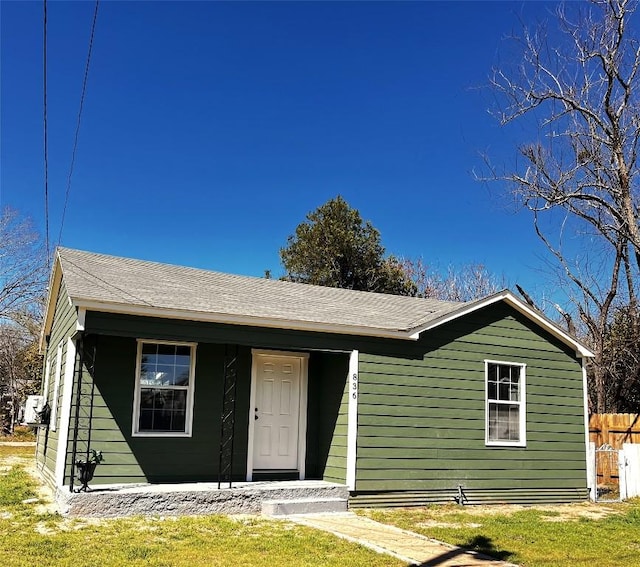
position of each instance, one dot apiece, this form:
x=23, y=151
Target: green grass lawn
x=572, y=535
x=20, y=433
x=596, y=535
x=32, y=536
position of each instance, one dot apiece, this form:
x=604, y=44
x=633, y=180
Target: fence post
x=592, y=481
x=631, y=453
x=622, y=474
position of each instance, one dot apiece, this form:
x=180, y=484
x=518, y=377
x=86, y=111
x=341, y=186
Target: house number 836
x=354, y=386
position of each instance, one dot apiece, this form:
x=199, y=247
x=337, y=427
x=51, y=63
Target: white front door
x=276, y=411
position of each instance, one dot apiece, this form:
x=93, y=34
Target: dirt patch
x=454, y=525
x=12, y=461
x=556, y=512
x=45, y=502
x=67, y=525
x=572, y=512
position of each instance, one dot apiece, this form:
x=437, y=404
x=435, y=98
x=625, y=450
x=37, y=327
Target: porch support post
x=352, y=422
x=65, y=412
x=592, y=480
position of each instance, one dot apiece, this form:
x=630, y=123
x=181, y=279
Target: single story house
x=184, y=375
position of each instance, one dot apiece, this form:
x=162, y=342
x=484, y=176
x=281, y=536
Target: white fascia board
x=226, y=318
x=54, y=287
x=509, y=298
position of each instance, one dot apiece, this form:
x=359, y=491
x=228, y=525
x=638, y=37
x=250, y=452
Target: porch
x=202, y=498
x=255, y=415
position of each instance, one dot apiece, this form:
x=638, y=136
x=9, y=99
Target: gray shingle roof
x=122, y=283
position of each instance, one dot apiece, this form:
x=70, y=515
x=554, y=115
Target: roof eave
x=581, y=350
x=226, y=318
x=55, y=279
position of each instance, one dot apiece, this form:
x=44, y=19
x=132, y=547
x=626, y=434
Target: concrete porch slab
x=190, y=498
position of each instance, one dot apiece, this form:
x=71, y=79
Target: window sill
x=505, y=443
x=159, y=434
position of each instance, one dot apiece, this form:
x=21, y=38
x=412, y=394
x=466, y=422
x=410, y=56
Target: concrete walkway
x=413, y=548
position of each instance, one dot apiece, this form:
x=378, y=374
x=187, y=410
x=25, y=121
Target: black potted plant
x=86, y=469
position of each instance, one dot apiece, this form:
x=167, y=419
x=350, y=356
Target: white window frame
x=56, y=389
x=522, y=405
x=188, y=421
x=47, y=378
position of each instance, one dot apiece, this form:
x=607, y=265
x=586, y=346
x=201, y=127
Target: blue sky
x=211, y=129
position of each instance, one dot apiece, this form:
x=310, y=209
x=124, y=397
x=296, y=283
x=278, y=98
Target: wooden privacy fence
x=611, y=432
x=615, y=429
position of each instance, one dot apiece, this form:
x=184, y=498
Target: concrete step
x=303, y=506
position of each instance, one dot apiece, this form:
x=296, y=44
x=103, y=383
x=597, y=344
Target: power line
x=46, y=135
x=77, y=134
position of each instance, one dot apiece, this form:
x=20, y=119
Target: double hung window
x=505, y=403
x=164, y=389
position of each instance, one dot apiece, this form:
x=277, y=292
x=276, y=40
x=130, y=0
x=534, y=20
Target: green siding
x=148, y=459
x=64, y=326
x=253, y=337
x=327, y=407
x=421, y=420
x=198, y=455
x=161, y=459
x=421, y=416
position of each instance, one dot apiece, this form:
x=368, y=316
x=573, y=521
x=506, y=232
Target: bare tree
x=23, y=279
x=579, y=178
x=461, y=283
x=23, y=276
x=20, y=371
x=584, y=98
x=622, y=360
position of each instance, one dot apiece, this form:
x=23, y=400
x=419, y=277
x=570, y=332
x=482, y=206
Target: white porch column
x=590, y=464
x=352, y=420
x=65, y=411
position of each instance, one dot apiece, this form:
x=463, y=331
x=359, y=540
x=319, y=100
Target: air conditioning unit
x=33, y=411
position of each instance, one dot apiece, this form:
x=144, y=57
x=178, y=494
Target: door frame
x=302, y=413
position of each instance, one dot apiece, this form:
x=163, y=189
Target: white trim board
x=513, y=301
x=589, y=456
x=53, y=423
x=412, y=334
x=233, y=319
x=352, y=420
x=65, y=411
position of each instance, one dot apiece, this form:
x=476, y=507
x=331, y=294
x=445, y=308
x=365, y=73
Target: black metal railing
x=83, y=406
x=228, y=415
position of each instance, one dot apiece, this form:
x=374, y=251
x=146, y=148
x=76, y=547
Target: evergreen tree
x=334, y=247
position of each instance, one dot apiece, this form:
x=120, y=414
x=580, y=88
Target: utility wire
x=77, y=135
x=46, y=136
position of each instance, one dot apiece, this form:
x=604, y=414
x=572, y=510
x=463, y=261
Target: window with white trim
x=163, y=399
x=53, y=420
x=505, y=403
x=47, y=377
